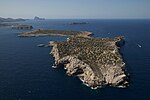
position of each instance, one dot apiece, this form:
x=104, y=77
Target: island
x=78, y=23
x=38, y=18
x=96, y=61
x=21, y=26
x=17, y=26
x=43, y=32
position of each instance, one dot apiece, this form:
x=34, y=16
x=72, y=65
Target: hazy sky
x=75, y=8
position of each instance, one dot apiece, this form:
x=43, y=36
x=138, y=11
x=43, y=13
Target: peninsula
x=96, y=61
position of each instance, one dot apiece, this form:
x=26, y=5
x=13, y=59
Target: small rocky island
x=96, y=61
x=17, y=26
x=38, y=18
x=20, y=26
x=78, y=23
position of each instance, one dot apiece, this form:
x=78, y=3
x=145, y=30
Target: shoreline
x=42, y=32
x=90, y=76
x=96, y=61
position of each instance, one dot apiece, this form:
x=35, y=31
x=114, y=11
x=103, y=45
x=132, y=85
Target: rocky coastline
x=96, y=61
x=43, y=32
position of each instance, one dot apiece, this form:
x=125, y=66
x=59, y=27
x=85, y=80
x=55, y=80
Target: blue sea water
x=26, y=73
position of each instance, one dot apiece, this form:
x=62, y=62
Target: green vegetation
x=57, y=32
x=93, y=51
x=41, y=32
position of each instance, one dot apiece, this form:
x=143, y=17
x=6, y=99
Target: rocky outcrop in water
x=96, y=61
x=78, y=23
x=17, y=26
x=38, y=18
x=24, y=27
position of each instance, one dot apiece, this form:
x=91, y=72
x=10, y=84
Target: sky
x=74, y=9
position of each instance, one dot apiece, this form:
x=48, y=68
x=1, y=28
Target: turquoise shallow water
x=26, y=73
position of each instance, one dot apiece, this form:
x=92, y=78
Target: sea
x=26, y=71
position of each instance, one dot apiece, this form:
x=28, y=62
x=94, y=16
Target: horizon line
x=79, y=18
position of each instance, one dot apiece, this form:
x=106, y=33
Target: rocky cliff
x=96, y=61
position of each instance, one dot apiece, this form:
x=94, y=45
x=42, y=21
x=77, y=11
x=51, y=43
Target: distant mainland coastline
x=11, y=19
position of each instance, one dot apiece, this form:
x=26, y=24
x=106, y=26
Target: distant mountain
x=10, y=19
x=38, y=18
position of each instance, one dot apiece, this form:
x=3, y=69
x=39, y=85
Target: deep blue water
x=26, y=73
